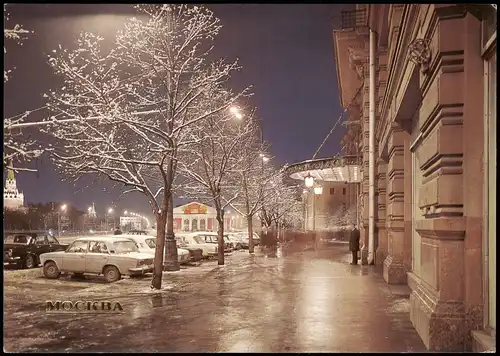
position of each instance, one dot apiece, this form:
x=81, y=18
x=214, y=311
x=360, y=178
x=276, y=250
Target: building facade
x=195, y=216
x=334, y=208
x=132, y=222
x=12, y=197
x=435, y=167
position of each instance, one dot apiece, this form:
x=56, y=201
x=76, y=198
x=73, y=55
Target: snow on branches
x=134, y=105
x=17, y=147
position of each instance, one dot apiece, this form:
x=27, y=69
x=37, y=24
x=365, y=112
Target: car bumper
x=195, y=255
x=141, y=270
x=11, y=259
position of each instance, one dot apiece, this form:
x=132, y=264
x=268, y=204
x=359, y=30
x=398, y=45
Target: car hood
x=53, y=254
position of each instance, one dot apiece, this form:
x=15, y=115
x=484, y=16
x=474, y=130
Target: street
x=310, y=301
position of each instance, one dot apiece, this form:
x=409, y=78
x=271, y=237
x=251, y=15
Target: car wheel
x=111, y=274
x=30, y=261
x=51, y=271
x=238, y=246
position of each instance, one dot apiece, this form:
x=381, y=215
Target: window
x=52, y=240
x=21, y=239
x=490, y=186
x=332, y=191
x=151, y=243
x=343, y=191
x=194, y=225
x=41, y=240
x=125, y=247
x=78, y=247
x=202, y=225
x=98, y=247
x=186, y=225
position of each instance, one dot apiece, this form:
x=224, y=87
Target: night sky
x=286, y=52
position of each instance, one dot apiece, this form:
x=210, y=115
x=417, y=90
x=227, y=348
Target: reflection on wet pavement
x=311, y=301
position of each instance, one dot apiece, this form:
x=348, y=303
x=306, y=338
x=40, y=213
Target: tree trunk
x=160, y=244
x=220, y=240
x=171, y=258
x=250, y=234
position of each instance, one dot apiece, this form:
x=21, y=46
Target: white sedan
x=147, y=244
x=110, y=256
x=192, y=240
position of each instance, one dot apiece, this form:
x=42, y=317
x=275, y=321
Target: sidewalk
x=309, y=301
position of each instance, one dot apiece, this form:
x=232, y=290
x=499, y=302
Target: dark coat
x=354, y=240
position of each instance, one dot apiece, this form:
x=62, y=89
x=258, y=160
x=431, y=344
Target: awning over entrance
x=332, y=169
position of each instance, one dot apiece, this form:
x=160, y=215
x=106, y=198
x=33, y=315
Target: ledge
x=482, y=342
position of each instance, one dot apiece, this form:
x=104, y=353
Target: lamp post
x=61, y=209
x=110, y=212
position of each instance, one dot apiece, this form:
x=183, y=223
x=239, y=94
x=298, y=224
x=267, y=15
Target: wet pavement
x=310, y=301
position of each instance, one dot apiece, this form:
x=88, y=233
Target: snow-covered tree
x=17, y=147
x=214, y=165
x=341, y=216
x=133, y=107
x=280, y=205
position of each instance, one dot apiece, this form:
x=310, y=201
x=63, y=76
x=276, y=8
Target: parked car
x=193, y=240
x=147, y=244
x=111, y=256
x=213, y=238
x=246, y=240
x=25, y=248
x=238, y=241
x=195, y=253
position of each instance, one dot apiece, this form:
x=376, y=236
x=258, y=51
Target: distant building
x=131, y=222
x=12, y=197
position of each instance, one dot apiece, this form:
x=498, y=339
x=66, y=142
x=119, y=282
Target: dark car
x=24, y=248
x=137, y=232
x=195, y=254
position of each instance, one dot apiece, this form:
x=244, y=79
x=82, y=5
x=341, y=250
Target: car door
x=97, y=257
x=40, y=244
x=73, y=259
x=53, y=243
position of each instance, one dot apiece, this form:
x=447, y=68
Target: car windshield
x=125, y=247
x=197, y=239
x=181, y=241
x=151, y=242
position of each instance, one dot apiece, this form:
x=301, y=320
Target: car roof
x=137, y=237
x=102, y=238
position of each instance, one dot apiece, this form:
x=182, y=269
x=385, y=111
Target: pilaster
x=440, y=310
x=395, y=264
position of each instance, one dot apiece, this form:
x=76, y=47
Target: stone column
x=445, y=301
x=381, y=232
x=394, y=264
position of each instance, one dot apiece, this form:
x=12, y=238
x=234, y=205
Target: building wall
x=431, y=143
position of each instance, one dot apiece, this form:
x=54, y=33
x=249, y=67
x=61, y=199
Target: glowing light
x=110, y=210
x=63, y=207
x=309, y=181
x=318, y=190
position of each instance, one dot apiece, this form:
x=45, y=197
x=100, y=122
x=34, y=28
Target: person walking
x=354, y=245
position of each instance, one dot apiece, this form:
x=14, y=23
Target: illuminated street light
x=234, y=109
x=309, y=180
x=110, y=211
x=89, y=209
x=63, y=207
x=125, y=212
x=265, y=159
x=318, y=190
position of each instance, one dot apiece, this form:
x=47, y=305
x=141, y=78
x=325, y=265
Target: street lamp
x=318, y=190
x=110, y=211
x=309, y=180
x=125, y=212
x=62, y=210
